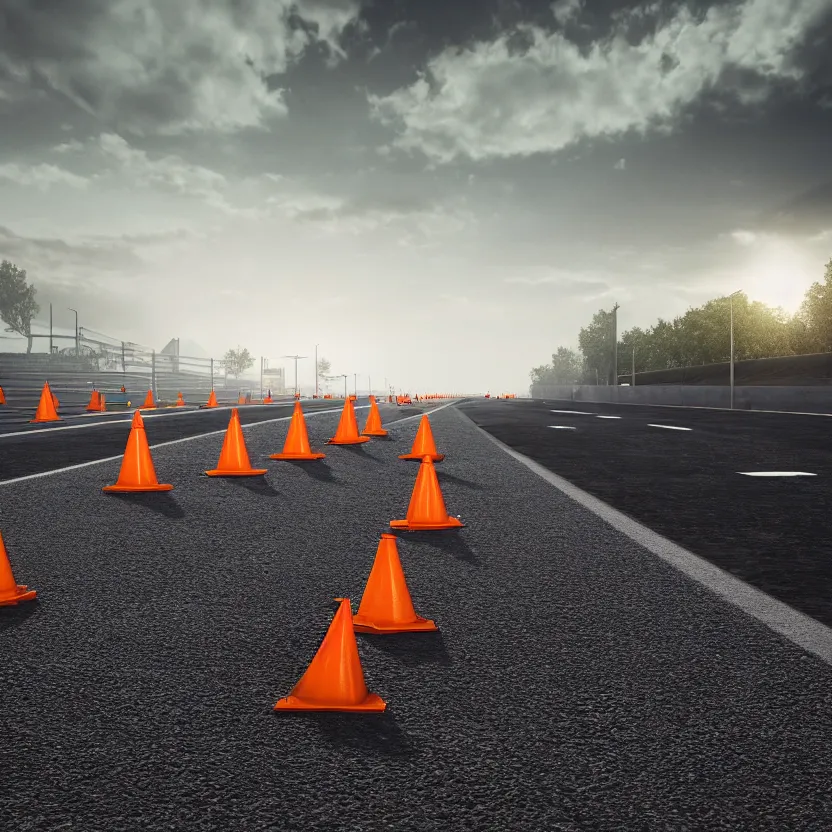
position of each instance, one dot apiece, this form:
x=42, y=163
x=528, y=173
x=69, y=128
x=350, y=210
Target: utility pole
x=77, y=342
x=50, y=329
x=355, y=383
x=633, y=374
x=615, y=344
x=296, y=357
x=731, y=302
x=316, y=371
x=261, y=377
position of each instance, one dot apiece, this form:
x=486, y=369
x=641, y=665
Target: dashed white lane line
x=599, y=416
x=563, y=427
x=776, y=474
x=800, y=629
x=669, y=427
x=573, y=412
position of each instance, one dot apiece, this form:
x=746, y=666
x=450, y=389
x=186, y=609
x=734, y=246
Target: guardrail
x=816, y=399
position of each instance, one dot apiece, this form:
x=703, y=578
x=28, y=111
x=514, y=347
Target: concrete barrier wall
x=790, y=399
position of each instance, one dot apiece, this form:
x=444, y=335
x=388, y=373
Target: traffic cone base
x=299, y=456
x=234, y=460
x=379, y=432
x=418, y=457
x=415, y=526
x=422, y=625
x=137, y=489
x=357, y=441
x=334, y=680
x=373, y=703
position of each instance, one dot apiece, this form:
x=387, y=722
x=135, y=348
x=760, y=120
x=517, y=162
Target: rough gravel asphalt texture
x=578, y=683
x=773, y=533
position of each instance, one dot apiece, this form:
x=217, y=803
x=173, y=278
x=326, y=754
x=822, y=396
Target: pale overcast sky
x=439, y=192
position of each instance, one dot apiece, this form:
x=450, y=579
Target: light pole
x=316, y=371
x=355, y=384
x=77, y=343
x=615, y=344
x=344, y=376
x=296, y=357
x=731, y=303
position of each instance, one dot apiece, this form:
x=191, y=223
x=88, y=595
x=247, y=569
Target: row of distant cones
x=334, y=680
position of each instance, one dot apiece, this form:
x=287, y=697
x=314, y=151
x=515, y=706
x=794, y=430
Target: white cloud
x=621, y=164
x=492, y=100
x=744, y=238
x=168, y=67
x=41, y=176
x=566, y=10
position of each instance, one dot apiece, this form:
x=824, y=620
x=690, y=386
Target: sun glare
x=777, y=274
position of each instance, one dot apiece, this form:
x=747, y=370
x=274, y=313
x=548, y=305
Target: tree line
x=700, y=336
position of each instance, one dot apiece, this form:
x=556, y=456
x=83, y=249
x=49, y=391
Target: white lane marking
x=563, y=427
x=698, y=407
x=573, y=412
x=201, y=435
x=607, y=417
x=800, y=629
x=669, y=427
x=776, y=474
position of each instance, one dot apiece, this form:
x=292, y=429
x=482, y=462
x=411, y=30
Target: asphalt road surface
x=578, y=682
x=684, y=473
x=32, y=449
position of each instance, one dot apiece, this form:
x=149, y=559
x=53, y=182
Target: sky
x=437, y=194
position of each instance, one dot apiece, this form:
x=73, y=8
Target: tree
x=17, y=301
x=595, y=342
x=323, y=367
x=236, y=362
x=815, y=314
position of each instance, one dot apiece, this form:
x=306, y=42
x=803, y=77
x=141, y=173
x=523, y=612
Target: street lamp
x=316, y=370
x=77, y=342
x=731, y=303
x=296, y=357
x=344, y=376
x=355, y=384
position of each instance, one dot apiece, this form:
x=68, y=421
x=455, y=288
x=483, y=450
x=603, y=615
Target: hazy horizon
x=437, y=194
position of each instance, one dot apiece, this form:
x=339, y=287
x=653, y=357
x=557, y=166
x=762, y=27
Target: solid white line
x=575, y=412
x=200, y=436
x=563, y=427
x=776, y=474
x=669, y=427
x=599, y=416
x=800, y=629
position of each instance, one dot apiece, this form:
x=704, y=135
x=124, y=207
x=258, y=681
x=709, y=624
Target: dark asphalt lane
x=577, y=683
x=773, y=533
x=47, y=449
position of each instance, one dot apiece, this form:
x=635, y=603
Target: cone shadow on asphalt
x=448, y=540
x=411, y=649
x=366, y=732
x=17, y=614
x=256, y=485
x=161, y=502
x=317, y=469
x=360, y=451
x=445, y=477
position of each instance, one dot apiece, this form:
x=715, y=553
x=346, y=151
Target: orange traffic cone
x=347, y=432
x=2, y=396
x=102, y=402
x=212, y=400
x=386, y=606
x=427, y=511
x=137, y=472
x=11, y=592
x=334, y=680
x=373, y=426
x=180, y=402
x=149, y=404
x=46, y=411
x=95, y=402
x=297, y=439
x=234, y=460
x=423, y=443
